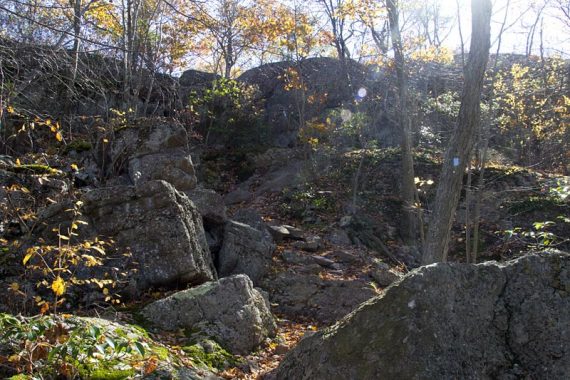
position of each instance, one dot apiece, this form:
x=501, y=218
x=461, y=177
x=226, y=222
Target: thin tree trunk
x=483, y=148
x=408, y=187
x=461, y=143
x=76, y=35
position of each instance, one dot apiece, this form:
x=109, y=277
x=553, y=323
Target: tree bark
x=461, y=143
x=408, y=187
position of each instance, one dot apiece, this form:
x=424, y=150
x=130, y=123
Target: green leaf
x=110, y=342
x=54, y=352
x=95, y=331
x=101, y=348
x=140, y=348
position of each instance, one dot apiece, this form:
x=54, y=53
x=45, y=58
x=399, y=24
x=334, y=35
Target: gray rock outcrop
x=451, y=321
x=245, y=249
x=229, y=310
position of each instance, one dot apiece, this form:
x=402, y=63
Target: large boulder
x=451, y=321
x=325, y=82
x=229, y=310
x=245, y=250
x=161, y=226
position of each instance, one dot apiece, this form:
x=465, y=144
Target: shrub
x=229, y=113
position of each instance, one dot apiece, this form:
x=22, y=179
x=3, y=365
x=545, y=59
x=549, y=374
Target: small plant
x=298, y=203
x=32, y=125
x=539, y=237
x=561, y=190
x=56, y=266
x=228, y=109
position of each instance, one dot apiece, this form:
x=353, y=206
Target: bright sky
x=521, y=16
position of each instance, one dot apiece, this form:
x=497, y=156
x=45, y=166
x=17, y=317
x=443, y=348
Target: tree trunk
x=408, y=187
x=461, y=143
x=76, y=35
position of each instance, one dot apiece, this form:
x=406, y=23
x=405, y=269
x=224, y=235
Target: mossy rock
x=208, y=354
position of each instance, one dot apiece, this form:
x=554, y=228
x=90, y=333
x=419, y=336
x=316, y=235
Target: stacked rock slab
x=161, y=226
x=245, y=249
x=157, y=151
x=229, y=310
x=451, y=321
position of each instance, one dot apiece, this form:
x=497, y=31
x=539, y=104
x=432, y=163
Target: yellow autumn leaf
x=48, y=122
x=29, y=253
x=98, y=249
x=18, y=163
x=74, y=167
x=105, y=291
x=10, y=109
x=58, y=286
x=14, y=286
x=58, y=136
x=90, y=261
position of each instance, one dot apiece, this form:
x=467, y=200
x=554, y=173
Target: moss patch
x=105, y=371
x=209, y=354
x=161, y=352
x=32, y=169
x=78, y=146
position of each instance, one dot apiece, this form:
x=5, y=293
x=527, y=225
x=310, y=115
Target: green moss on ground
x=32, y=169
x=106, y=371
x=209, y=354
